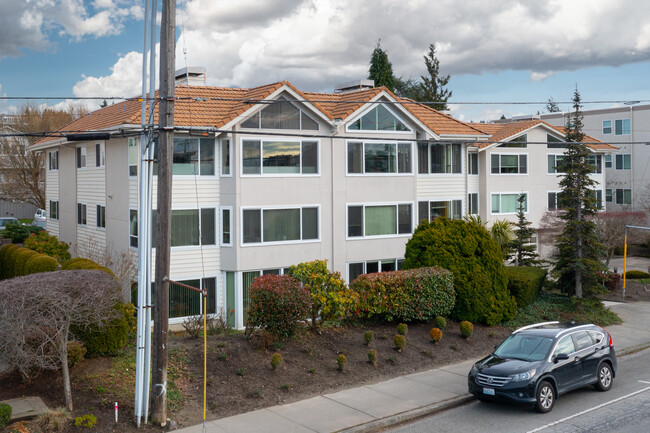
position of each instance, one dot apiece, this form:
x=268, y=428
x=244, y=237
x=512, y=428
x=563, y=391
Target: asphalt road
x=622, y=409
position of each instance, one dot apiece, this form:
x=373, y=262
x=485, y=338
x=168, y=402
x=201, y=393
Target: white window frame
x=363, y=219
x=263, y=208
x=85, y=213
x=133, y=143
x=137, y=225
x=183, y=277
x=608, y=161
x=605, y=128
x=469, y=202
x=258, y=113
x=622, y=159
x=555, y=172
x=53, y=160
x=103, y=206
x=101, y=157
x=519, y=155
x=622, y=203
x=222, y=143
x=556, y=194
x=517, y=193
x=471, y=155
x=290, y=140
x=629, y=130
x=221, y=226
x=371, y=131
x=81, y=156
x=396, y=261
x=463, y=162
x=609, y=195
x=463, y=206
x=55, y=204
x=363, y=157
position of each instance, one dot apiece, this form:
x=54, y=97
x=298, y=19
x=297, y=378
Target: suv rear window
x=582, y=340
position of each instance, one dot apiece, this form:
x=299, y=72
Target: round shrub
x=87, y=264
x=466, y=329
x=21, y=259
x=340, y=361
x=435, y=334
x=5, y=414
x=467, y=250
x=277, y=304
x=368, y=336
x=11, y=262
x=372, y=357
x=441, y=322
x=402, y=329
x=276, y=360
x=40, y=263
x=636, y=275
x=417, y=294
x=111, y=339
x=400, y=342
x=48, y=244
x=86, y=421
x=4, y=259
x=76, y=352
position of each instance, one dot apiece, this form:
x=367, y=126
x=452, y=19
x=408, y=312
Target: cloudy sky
x=495, y=51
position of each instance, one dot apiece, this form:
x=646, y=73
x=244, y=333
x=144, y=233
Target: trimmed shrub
x=331, y=297
x=276, y=360
x=372, y=357
x=111, y=339
x=11, y=262
x=87, y=264
x=20, y=259
x=400, y=341
x=417, y=294
x=441, y=322
x=525, y=282
x=277, y=304
x=368, y=336
x=48, y=244
x=40, y=263
x=435, y=334
x=340, y=361
x=18, y=232
x=475, y=260
x=636, y=275
x=402, y=329
x=5, y=253
x=76, y=352
x=466, y=329
x=5, y=414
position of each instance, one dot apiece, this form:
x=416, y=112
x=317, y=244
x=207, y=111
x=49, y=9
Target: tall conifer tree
x=433, y=85
x=578, y=263
x=381, y=70
x=523, y=251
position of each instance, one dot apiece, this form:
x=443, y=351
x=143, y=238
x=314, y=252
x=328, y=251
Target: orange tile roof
x=216, y=106
x=502, y=131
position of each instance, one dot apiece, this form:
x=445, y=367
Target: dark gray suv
x=537, y=363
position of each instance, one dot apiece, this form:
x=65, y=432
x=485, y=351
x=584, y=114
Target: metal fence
x=17, y=209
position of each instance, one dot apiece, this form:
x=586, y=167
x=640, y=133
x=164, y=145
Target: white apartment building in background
x=628, y=171
x=290, y=177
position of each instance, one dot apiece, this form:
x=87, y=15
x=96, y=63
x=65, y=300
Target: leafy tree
x=381, y=70
x=579, y=247
x=552, y=106
x=524, y=252
x=473, y=257
x=433, y=85
x=501, y=232
x=23, y=171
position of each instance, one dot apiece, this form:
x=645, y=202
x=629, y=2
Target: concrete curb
x=408, y=415
x=633, y=349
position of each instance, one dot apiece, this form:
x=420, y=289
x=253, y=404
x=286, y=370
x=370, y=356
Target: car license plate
x=488, y=391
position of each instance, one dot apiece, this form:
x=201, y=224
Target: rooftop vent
x=352, y=86
x=191, y=75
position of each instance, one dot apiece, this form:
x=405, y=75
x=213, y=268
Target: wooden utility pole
x=163, y=227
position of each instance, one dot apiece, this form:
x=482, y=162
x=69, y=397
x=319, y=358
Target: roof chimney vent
x=352, y=86
x=191, y=76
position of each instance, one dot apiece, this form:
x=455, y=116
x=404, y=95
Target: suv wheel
x=604, y=377
x=545, y=397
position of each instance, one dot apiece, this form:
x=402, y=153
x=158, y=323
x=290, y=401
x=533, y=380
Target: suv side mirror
x=561, y=357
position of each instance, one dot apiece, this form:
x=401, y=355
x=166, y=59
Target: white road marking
x=590, y=410
x=643, y=381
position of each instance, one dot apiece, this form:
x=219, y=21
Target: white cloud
x=31, y=24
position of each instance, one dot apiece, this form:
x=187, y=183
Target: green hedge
x=525, y=282
x=417, y=294
x=85, y=264
x=636, y=275
x=4, y=259
x=21, y=260
x=5, y=414
x=41, y=263
x=16, y=261
x=111, y=339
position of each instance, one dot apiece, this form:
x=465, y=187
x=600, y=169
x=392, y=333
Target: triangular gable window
x=521, y=141
x=378, y=119
x=554, y=143
x=281, y=114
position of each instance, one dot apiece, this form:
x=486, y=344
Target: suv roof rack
x=536, y=325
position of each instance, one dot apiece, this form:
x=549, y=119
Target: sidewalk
x=370, y=407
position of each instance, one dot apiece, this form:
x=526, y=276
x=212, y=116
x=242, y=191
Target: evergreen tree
x=381, y=70
x=523, y=251
x=432, y=87
x=552, y=106
x=578, y=263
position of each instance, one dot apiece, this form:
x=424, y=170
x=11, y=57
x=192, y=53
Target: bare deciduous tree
x=23, y=171
x=37, y=311
x=124, y=263
x=611, y=228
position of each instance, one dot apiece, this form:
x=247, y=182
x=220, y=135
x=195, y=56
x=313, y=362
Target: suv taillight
x=611, y=342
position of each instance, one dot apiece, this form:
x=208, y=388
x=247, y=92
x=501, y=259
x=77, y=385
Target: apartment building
x=268, y=177
x=628, y=175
